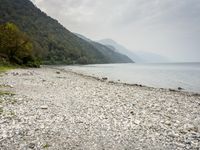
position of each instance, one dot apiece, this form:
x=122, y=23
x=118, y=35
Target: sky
x=167, y=27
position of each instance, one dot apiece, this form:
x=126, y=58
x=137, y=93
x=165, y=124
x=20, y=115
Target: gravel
x=55, y=109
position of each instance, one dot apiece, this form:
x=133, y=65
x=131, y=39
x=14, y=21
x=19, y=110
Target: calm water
x=172, y=75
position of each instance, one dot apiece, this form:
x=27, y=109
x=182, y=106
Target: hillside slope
x=121, y=49
x=52, y=42
x=108, y=51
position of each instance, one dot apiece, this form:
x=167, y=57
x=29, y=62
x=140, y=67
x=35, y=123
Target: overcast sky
x=167, y=27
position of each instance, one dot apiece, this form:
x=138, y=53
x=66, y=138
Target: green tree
x=14, y=44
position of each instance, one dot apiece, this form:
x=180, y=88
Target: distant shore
x=59, y=109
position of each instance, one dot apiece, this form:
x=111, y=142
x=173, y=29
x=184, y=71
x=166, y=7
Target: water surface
x=170, y=75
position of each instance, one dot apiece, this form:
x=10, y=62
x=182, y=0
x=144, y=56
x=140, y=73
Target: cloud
x=168, y=27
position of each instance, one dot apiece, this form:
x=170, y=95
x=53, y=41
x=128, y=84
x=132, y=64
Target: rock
x=190, y=127
x=15, y=73
x=58, y=72
x=11, y=86
x=181, y=130
x=188, y=142
x=31, y=73
x=136, y=121
x=42, y=126
x=195, y=144
x=44, y=107
x=20, y=99
x=31, y=145
x=173, y=134
x=195, y=94
x=168, y=123
x=104, y=78
x=180, y=145
x=172, y=90
x=180, y=88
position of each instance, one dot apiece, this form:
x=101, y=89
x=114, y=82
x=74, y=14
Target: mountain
x=137, y=56
x=83, y=37
x=121, y=49
x=108, y=51
x=52, y=42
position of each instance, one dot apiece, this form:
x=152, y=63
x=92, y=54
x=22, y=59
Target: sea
x=158, y=75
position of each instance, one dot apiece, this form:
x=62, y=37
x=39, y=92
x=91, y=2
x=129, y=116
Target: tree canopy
x=15, y=46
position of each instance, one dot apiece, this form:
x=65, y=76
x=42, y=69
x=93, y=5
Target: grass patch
x=5, y=86
x=46, y=146
x=6, y=93
x=12, y=113
x=6, y=68
x=1, y=110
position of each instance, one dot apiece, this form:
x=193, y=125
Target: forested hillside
x=51, y=42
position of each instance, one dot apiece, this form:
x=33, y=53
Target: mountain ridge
x=137, y=56
x=51, y=40
x=120, y=48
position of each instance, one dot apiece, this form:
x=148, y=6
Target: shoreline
x=123, y=83
x=56, y=109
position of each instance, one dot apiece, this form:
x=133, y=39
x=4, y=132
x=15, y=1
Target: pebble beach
x=49, y=108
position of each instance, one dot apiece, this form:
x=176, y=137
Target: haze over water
x=169, y=75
